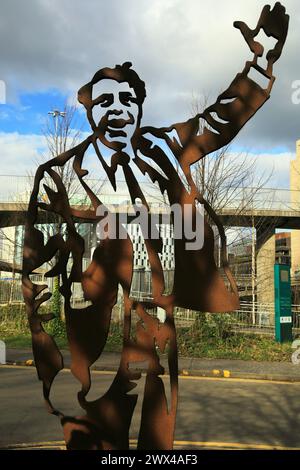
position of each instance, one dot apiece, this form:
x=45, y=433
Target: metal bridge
x=247, y=206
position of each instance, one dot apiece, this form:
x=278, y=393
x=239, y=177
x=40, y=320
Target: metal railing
x=17, y=189
x=257, y=318
x=250, y=318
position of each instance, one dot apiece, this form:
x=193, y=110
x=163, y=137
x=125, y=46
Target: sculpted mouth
x=116, y=132
x=118, y=123
x=115, y=127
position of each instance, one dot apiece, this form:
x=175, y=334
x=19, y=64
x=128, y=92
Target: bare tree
x=226, y=179
x=61, y=132
x=234, y=188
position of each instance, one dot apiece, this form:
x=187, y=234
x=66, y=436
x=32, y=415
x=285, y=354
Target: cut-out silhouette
x=114, y=102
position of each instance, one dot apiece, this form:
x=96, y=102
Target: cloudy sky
x=182, y=49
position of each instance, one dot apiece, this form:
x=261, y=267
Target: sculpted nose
x=117, y=112
x=117, y=107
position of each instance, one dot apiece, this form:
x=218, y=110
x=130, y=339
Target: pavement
x=226, y=368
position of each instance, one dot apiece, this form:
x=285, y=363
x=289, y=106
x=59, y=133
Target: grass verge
x=190, y=344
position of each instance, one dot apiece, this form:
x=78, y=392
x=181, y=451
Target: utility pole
x=56, y=296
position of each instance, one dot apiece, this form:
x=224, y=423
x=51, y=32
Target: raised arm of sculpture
x=240, y=101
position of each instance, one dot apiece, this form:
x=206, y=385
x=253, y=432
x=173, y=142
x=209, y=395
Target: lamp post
x=56, y=114
x=57, y=324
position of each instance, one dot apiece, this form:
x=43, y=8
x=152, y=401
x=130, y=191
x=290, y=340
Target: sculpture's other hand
x=274, y=23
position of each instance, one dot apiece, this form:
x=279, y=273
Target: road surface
x=212, y=413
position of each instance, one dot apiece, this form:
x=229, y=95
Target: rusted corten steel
x=197, y=283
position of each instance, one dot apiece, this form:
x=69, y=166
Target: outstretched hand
x=274, y=23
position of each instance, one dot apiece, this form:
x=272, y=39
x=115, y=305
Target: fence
x=11, y=289
x=257, y=318
x=250, y=318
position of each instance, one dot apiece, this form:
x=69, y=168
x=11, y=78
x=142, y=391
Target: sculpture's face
x=116, y=112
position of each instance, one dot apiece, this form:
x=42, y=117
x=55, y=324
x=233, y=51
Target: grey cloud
x=178, y=47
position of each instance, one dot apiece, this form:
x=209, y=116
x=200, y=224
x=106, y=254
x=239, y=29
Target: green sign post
x=283, y=307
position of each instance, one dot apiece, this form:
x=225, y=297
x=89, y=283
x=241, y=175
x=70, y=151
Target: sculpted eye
x=105, y=103
x=126, y=98
x=104, y=100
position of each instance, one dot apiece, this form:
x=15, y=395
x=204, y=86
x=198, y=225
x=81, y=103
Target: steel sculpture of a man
x=113, y=100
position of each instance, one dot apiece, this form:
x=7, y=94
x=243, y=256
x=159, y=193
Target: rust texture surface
x=105, y=422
